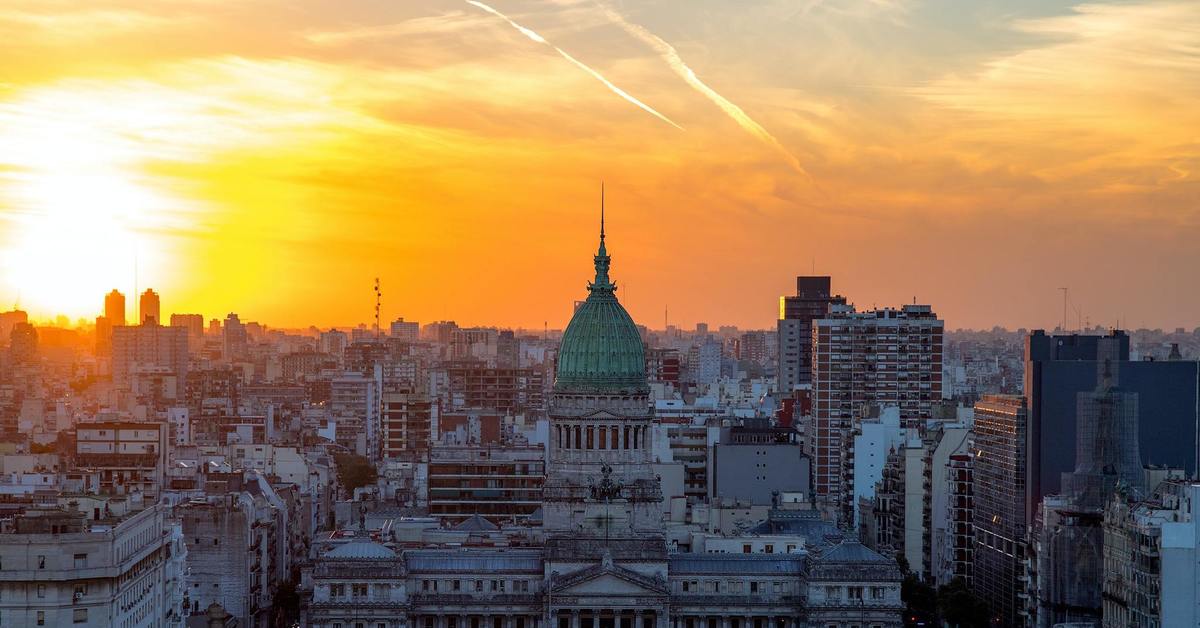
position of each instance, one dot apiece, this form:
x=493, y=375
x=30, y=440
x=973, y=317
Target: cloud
x=599, y=77
x=677, y=64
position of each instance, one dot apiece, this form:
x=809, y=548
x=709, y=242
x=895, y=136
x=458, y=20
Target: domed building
x=599, y=477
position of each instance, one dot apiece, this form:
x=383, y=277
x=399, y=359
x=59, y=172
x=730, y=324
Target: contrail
x=671, y=56
x=542, y=40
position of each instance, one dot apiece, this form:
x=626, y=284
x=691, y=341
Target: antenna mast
x=378, y=297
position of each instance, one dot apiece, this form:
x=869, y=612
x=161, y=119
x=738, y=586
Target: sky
x=273, y=158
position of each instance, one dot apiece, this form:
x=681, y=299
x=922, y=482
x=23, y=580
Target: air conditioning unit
x=78, y=595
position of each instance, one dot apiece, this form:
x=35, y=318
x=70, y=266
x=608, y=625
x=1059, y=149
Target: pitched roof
x=475, y=523
x=361, y=550
x=851, y=551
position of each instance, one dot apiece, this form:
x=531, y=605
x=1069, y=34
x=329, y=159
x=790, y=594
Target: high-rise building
x=149, y=349
x=752, y=347
x=1001, y=474
x=114, y=308
x=408, y=420
x=1069, y=531
x=796, y=315
x=22, y=343
x=888, y=357
x=1059, y=368
x=148, y=308
x=195, y=327
x=406, y=331
x=236, y=339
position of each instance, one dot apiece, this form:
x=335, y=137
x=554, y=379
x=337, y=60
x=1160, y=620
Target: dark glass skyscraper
x=1059, y=368
x=999, y=518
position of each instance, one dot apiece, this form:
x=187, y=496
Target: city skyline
x=976, y=159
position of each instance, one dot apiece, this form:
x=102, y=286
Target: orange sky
x=272, y=158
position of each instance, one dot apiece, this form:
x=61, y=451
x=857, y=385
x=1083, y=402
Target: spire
x=602, y=285
x=602, y=211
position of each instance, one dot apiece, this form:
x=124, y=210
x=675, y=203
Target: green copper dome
x=601, y=350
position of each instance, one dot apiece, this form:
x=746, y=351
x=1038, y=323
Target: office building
x=1059, y=368
x=1069, y=532
x=1000, y=474
x=796, y=315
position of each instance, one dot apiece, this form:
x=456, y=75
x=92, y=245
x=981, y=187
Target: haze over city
x=274, y=157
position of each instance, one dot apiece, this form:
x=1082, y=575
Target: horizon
x=977, y=159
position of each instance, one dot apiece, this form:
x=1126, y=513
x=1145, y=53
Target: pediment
x=602, y=415
x=606, y=580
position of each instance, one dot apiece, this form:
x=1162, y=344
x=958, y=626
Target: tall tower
x=600, y=482
x=796, y=315
x=148, y=308
x=114, y=308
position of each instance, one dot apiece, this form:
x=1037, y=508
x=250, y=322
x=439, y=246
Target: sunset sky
x=273, y=158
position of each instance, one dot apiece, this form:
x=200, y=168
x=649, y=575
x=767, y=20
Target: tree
x=354, y=471
x=960, y=607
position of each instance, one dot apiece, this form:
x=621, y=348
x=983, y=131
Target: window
x=41, y=590
x=754, y=587
x=80, y=561
x=746, y=548
x=41, y=618
x=457, y=585
x=770, y=549
x=41, y=562
x=80, y=590
x=79, y=616
x=856, y=593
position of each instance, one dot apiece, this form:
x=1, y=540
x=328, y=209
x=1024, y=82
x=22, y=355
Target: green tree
x=354, y=471
x=959, y=607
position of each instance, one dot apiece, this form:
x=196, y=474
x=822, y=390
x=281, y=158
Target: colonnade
x=602, y=437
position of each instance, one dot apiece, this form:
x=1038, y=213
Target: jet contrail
x=671, y=56
x=542, y=40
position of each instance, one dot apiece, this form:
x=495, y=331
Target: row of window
x=479, y=586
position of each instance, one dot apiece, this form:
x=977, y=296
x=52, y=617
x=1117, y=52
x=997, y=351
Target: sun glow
x=75, y=202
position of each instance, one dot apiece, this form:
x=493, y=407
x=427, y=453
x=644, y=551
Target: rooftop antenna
x=1064, y=319
x=378, y=297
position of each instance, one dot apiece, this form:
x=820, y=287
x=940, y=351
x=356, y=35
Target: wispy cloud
x=671, y=56
x=599, y=77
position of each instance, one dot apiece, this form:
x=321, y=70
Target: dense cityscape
x=599, y=314
x=851, y=467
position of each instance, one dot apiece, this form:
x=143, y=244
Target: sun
x=77, y=209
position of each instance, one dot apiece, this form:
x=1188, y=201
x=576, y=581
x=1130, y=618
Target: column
x=575, y=618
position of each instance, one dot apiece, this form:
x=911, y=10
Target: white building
x=92, y=563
